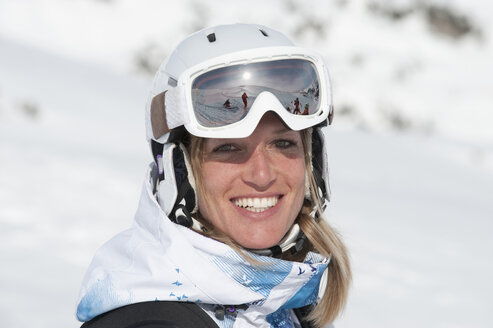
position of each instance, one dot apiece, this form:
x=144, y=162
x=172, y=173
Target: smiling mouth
x=256, y=204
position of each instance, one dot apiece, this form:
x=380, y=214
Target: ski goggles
x=226, y=99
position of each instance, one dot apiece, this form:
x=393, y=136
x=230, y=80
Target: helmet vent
x=211, y=37
x=263, y=32
x=172, y=82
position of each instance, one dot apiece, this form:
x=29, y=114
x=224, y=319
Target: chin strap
x=293, y=241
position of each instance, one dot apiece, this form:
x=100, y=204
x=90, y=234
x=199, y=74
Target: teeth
x=256, y=204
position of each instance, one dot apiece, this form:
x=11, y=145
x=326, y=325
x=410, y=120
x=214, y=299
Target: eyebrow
x=284, y=129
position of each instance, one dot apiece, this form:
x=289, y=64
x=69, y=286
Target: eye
x=225, y=148
x=285, y=143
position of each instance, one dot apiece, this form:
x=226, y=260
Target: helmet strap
x=292, y=242
x=157, y=154
x=178, y=198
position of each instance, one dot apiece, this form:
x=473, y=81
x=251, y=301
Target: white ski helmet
x=247, y=69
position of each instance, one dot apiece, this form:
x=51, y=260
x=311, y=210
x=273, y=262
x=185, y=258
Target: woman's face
x=253, y=188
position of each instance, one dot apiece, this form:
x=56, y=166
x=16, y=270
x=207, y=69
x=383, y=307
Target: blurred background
x=410, y=149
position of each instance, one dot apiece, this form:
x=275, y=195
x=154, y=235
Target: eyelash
x=285, y=143
x=224, y=148
x=281, y=144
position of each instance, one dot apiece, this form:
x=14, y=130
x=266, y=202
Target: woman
x=229, y=229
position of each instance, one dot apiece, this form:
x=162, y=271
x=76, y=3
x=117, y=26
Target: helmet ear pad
x=175, y=185
x=319, y=166
x=185, y=181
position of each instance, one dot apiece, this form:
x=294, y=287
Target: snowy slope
x=414, y=205
x=418, y=223
x=69, y=176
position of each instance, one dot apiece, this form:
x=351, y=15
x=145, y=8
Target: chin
x=259, y=242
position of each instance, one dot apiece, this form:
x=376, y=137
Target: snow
x=414, y=203
x=417, y=222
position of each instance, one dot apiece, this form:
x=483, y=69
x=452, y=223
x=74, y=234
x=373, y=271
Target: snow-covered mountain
x=411, y=149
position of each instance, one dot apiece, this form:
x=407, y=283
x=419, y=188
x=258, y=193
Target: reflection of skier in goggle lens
x=287, y=80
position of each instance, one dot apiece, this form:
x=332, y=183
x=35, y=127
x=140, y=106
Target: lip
x=258, y=215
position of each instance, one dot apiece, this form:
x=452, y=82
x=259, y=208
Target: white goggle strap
x=176, y=107
x=329, y=94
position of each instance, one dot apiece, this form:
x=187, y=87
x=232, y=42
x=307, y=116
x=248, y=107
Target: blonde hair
x=322, y=238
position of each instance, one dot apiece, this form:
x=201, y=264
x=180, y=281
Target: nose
x=260, y=172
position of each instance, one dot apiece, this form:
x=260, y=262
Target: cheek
x=214, y=182
x=213, y=177
x=296, y=173
x=297, y=179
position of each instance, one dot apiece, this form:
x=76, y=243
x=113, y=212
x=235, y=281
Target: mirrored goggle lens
x=224, y=96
